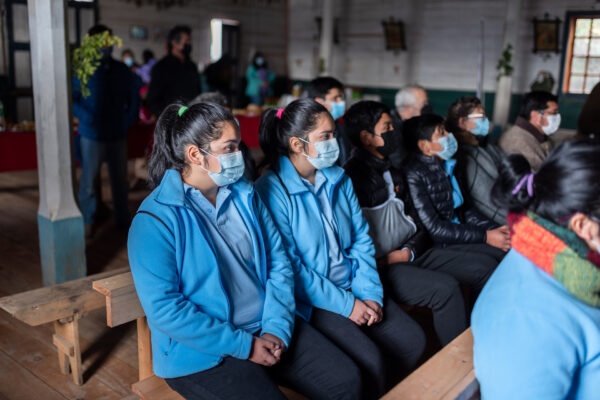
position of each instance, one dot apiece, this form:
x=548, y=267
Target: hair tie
x=279, y=113
x=182, y=109
x=527, y=178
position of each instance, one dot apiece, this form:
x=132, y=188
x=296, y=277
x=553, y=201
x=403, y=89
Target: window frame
x=566, y=58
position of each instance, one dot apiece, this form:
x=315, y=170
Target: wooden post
x=504, y=86
x=326, y=44
x=144, y=349
x=61, y=233
x=66, y=340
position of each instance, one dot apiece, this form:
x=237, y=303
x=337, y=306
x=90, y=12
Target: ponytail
x=567, y=182
x=298, y=119
x=197, y=125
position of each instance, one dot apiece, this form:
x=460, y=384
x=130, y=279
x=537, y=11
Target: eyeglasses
x=476, y=116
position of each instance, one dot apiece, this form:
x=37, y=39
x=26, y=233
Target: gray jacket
x=477, y=170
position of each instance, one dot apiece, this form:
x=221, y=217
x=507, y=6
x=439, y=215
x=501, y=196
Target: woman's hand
x=373, y=305
x=276, y=340
x=362, y=313
x=262, y=352
x=499, y=237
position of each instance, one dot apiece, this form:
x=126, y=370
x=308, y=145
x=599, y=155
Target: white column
x=61, y=233
x=504, y=86
x=326, y=44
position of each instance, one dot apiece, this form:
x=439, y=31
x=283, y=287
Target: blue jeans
x=93, y=154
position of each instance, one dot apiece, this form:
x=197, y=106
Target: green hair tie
x=182, y=110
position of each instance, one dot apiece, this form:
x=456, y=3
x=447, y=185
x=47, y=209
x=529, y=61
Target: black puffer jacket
x=366, y=172
x=431, y=193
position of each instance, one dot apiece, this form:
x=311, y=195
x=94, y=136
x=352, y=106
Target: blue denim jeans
x=93, y=154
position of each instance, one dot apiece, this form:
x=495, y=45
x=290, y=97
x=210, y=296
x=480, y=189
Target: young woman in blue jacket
x=536, y=324
x=213, y=278
x=326, y=237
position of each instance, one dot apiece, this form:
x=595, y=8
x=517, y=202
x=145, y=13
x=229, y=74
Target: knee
x=444, y=290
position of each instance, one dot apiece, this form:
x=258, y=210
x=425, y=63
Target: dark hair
x=567, y=182
x=461, y=108
x=175, y=35
x=363, y=116
x=318, y=88
x=535, y=101
x=211, y=97
x=420, y=128
x=99, y=28
x=127, y=51
x=298, y=119
x=199, y=125
x=147, y=55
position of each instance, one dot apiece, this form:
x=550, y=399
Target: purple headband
x=527, y=178
x=279, y=113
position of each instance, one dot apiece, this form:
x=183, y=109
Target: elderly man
x=411, y=101
x=529, y=136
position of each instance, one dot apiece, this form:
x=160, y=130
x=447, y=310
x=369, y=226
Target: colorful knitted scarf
x=560, y=252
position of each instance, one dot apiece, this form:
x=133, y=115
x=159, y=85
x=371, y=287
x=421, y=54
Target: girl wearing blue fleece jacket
x=213, y=278
x=326, y=237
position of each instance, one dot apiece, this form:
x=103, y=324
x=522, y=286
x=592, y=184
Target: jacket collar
x=431, y=160
x=170, y=191
x=526, y=125
x=294, y=183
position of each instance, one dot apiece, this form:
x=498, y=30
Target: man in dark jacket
x=104, y=117
x=175, y=77
x=415, y=272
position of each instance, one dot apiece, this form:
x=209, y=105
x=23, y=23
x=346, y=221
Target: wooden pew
x=448, y=375
x=123, y=305
x=62, y=304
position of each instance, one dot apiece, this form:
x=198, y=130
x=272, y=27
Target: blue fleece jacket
x=179, y=283
x=299, y=220
x=533, y=338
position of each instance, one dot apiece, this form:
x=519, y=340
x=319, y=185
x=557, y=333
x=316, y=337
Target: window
x=582, y=69
x=224, y=36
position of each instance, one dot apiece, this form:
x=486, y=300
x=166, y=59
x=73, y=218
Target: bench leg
x=144, y=349
x=66, y=340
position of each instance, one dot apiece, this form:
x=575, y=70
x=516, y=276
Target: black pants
x=385, y=352
x=312, y=366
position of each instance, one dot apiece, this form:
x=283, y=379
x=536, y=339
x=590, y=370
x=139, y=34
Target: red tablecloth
x=18, y=149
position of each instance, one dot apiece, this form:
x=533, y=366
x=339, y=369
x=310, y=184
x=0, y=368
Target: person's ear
x=462, y=123
x=535, y=117
x=322, y=102
x=296, y=145
x=424, y=146
x=365, y=138
x=195, y=156
x=583, y=226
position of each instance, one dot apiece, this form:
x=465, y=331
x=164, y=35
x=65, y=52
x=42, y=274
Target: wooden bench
x=123, y=305
x=448, y=375
x=63, y=304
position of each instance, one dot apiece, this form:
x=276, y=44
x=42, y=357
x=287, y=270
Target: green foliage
x=504, y=67
x=86, y=58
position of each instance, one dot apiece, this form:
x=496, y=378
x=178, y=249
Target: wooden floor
x=28, y=360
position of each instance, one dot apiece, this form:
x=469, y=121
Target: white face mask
x=553, y=124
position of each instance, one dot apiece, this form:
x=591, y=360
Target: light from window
x=582, y=71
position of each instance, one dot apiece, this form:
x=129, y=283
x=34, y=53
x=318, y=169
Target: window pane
x=595, y=47
x=593, y=66
x=580, y=47
x=578, y=65
x=22, y=69
x=20, y=23
x=596, y=27
x=576, y=84
x=582, y=28
x=590, y=82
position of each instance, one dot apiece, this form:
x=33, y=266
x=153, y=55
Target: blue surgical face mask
x=328, y=152
x=482, y=125
x=128, y=61
x=232, y=168
x=260, y=61
x=449, y=146
x=338, y=108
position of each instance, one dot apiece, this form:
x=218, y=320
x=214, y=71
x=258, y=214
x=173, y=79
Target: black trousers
x=385, y=352
x=312, y=366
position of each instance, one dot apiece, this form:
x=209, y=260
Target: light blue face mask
x=338, y=108
x=482, y=126
x=449, y=146
x=328, y=152
x=232, y=168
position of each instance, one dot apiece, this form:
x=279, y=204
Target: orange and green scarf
x=560, y=252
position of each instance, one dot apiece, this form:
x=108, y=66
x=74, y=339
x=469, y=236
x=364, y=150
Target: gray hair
x=406, y=96
x=210, y=97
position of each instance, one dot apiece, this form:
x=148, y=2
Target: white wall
x=441, y=36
